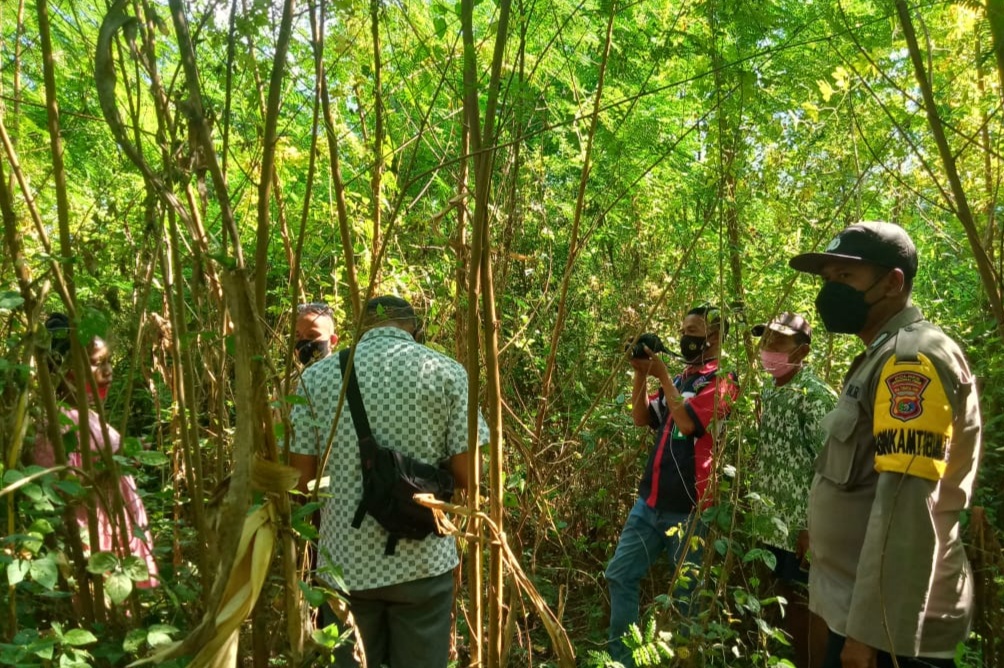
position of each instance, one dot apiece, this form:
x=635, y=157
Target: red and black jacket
x=680, y=467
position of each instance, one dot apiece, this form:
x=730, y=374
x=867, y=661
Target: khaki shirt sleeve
x=894, y=575
x=914, y=413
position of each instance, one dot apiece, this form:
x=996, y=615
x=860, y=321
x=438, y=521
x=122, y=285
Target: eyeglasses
x=317, y=308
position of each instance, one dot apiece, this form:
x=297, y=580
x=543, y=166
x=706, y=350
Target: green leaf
x=76, y=660
x=152, y=458
x=315, y=597
x=635, y=634
x=12, y=476
x=305, y=530
x=41, y=526
x=92, y=323
x=33, y=492
x=225, y=260
x=17, y=570
x=160, y=634
x=69, y=487
x=118, y=586
x=10, y=300
x=79, y=637
x=724, y=517
x=134, y=640
x=131, y=446
x=766, y=556
x=136, y=569
x=32, y=542
x=328, y=636
x=439, y=23
x=102, y=562
x=306, y=510
x=44, y=572
x=296, y=400
x=44, y=648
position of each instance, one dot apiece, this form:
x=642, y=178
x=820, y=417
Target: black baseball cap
x=883, y=244
x=786, y=323
x=389, y=307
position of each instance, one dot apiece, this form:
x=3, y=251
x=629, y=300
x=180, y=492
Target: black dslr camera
x=649, y=339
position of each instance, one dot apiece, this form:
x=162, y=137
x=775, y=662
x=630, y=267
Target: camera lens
x=651, y=340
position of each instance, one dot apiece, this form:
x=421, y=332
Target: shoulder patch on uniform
x=906, y=394
x=913, y=419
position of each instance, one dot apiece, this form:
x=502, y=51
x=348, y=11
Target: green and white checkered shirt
x=416, y=402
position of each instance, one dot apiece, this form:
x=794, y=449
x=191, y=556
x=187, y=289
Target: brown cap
x=786, y=323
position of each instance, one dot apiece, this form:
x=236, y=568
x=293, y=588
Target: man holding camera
x=415, y=400
x=687, y=415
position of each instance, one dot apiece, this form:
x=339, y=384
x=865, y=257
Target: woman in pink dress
x=132, y=538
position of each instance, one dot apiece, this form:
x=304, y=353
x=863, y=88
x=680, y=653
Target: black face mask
x=692, y=347
x=311, y=350
x=843, y=308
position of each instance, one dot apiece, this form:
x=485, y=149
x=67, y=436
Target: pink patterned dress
x=135, y=512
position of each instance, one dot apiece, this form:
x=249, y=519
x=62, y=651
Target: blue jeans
x=642, y=542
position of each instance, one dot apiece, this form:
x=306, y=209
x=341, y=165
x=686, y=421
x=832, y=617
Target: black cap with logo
x=883, y=244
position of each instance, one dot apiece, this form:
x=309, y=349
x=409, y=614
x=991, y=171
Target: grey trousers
x=405, y=625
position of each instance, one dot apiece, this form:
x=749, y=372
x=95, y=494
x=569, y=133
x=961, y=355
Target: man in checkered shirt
x=416, y=402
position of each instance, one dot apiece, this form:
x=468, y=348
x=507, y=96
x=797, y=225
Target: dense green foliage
x=686, y=162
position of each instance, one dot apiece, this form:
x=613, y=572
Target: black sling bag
x=391, y=479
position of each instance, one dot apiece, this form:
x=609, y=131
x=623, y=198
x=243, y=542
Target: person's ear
x=894, y=282
x=899, y=281
x=334, y=340
x=418, y=331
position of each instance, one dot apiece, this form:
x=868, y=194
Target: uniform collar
x=387, y=332
x=907, y=316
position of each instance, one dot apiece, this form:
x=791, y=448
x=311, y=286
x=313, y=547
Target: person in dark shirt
x=686, y=415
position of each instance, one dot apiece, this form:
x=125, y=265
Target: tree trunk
x=269, y=144
x=991, y=281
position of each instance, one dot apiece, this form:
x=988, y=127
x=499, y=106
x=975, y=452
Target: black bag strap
x=355, y=398
x=367, y=446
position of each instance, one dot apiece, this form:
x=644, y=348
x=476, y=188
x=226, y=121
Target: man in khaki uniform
x=889, y=574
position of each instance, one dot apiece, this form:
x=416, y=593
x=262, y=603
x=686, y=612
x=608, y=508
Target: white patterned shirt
x=416, y=402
